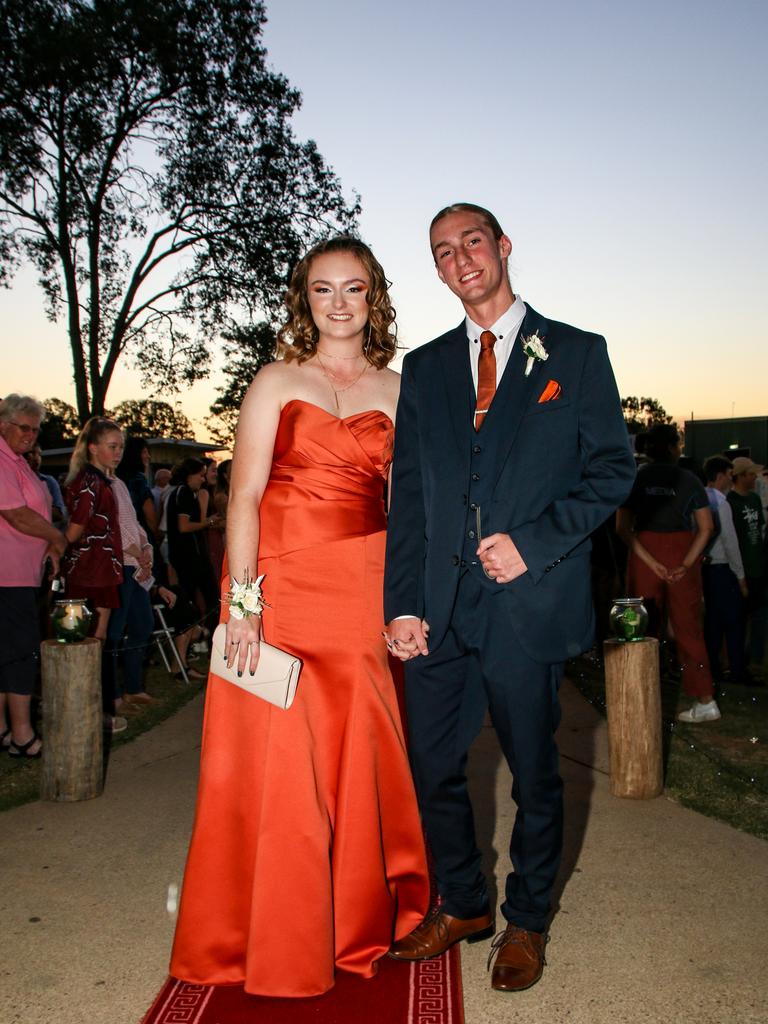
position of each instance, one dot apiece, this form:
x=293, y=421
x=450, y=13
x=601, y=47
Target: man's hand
x=56, y=548
x=53, y=554
x=744, y=588
x=500, y=558
x=59, y=544
x=407, y=638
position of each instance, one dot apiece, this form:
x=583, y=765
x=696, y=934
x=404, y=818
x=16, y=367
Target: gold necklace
x=337, y=391
x=318, y=349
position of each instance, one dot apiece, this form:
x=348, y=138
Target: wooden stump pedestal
x=633, y=703
x=73, y=767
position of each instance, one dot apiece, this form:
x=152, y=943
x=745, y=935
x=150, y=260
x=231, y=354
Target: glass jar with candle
x=71, y=618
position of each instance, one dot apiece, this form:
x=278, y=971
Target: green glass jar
x=629, y=618
x=71, y=619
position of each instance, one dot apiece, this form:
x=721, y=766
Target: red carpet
x=427, y=992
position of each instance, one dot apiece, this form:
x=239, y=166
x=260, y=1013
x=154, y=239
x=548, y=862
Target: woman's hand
x=676, y=574
x=167, y=595
x=241, y=646
x=658, y=569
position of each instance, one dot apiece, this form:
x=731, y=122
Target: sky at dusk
x=621, y=145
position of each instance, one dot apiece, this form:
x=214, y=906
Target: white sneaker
x=699, y=712
x=115, y=723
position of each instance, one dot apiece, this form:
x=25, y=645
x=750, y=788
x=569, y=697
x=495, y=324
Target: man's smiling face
x=469, y=259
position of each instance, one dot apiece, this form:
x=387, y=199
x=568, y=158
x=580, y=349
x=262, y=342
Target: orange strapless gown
x=307, y=850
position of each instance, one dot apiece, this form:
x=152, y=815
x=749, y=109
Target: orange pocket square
x=551, y=391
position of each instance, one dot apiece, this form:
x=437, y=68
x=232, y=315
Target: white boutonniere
x=533, y=347
x=245, y=599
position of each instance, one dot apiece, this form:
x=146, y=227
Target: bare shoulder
x=272, y=381
x=388, y=383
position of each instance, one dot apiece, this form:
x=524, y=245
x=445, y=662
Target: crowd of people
x=105, y=535
x=698, y=555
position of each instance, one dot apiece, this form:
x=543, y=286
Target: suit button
x=475, y=476
x=455, y=559
x=476, y=449
x=471, y=534
x=473, y=507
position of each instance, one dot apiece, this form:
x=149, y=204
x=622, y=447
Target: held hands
x=241, y=646
x=407, y=638
x=676, y=574
x=500, y=558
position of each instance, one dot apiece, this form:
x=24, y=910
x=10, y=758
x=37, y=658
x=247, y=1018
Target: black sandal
x=20, y=749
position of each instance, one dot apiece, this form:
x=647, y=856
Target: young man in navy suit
x=510, y=449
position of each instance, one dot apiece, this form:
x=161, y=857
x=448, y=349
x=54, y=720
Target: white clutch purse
x=277, y=673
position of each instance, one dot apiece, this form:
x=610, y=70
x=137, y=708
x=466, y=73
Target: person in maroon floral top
x=93, y=564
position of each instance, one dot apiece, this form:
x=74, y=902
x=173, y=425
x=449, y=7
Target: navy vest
x=483, y=471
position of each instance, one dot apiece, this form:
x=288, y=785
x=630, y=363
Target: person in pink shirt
x=27, y=539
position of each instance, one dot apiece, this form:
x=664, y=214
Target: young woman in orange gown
x=307, y=853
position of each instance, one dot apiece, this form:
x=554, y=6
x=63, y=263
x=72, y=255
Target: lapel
x=515, y=389
x=457, y=378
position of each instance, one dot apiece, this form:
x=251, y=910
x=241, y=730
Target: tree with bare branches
x=149, y=172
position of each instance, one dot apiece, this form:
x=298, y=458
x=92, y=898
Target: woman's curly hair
x=297, y=338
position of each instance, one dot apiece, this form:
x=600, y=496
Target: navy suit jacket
x=562, y=466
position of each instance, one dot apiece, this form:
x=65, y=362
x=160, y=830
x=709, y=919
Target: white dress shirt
x=506, y=329
x=725, y=550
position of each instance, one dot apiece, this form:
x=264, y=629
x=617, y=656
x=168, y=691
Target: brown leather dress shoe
x=437, y=932
x=519, y=959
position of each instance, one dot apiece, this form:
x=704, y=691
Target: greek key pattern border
x=184, y=1004
x=430, y=999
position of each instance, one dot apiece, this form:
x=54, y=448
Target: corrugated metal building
x=741, y=435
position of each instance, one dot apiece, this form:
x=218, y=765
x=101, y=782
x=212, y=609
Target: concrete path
x=663, y=914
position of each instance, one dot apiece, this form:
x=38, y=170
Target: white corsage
x=533, y=347
x=245, y=599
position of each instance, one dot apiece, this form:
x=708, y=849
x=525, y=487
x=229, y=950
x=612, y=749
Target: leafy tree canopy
x=642, y=413
x=149, y=172
x=246, y=349
x=148, y=418
x=61, y=425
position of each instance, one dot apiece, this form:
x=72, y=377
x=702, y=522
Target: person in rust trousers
x=666, y=524
x=510, y=449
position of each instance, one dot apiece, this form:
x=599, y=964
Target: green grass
x=20, y=779
x=708, y=767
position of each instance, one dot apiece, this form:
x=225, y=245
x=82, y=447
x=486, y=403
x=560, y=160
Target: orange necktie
x=486, y=377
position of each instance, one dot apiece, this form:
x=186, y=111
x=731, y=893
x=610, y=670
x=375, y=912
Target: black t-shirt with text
x=665, y=497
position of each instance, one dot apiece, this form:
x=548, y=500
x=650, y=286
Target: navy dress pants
x=724, y=618
x=480, y=665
